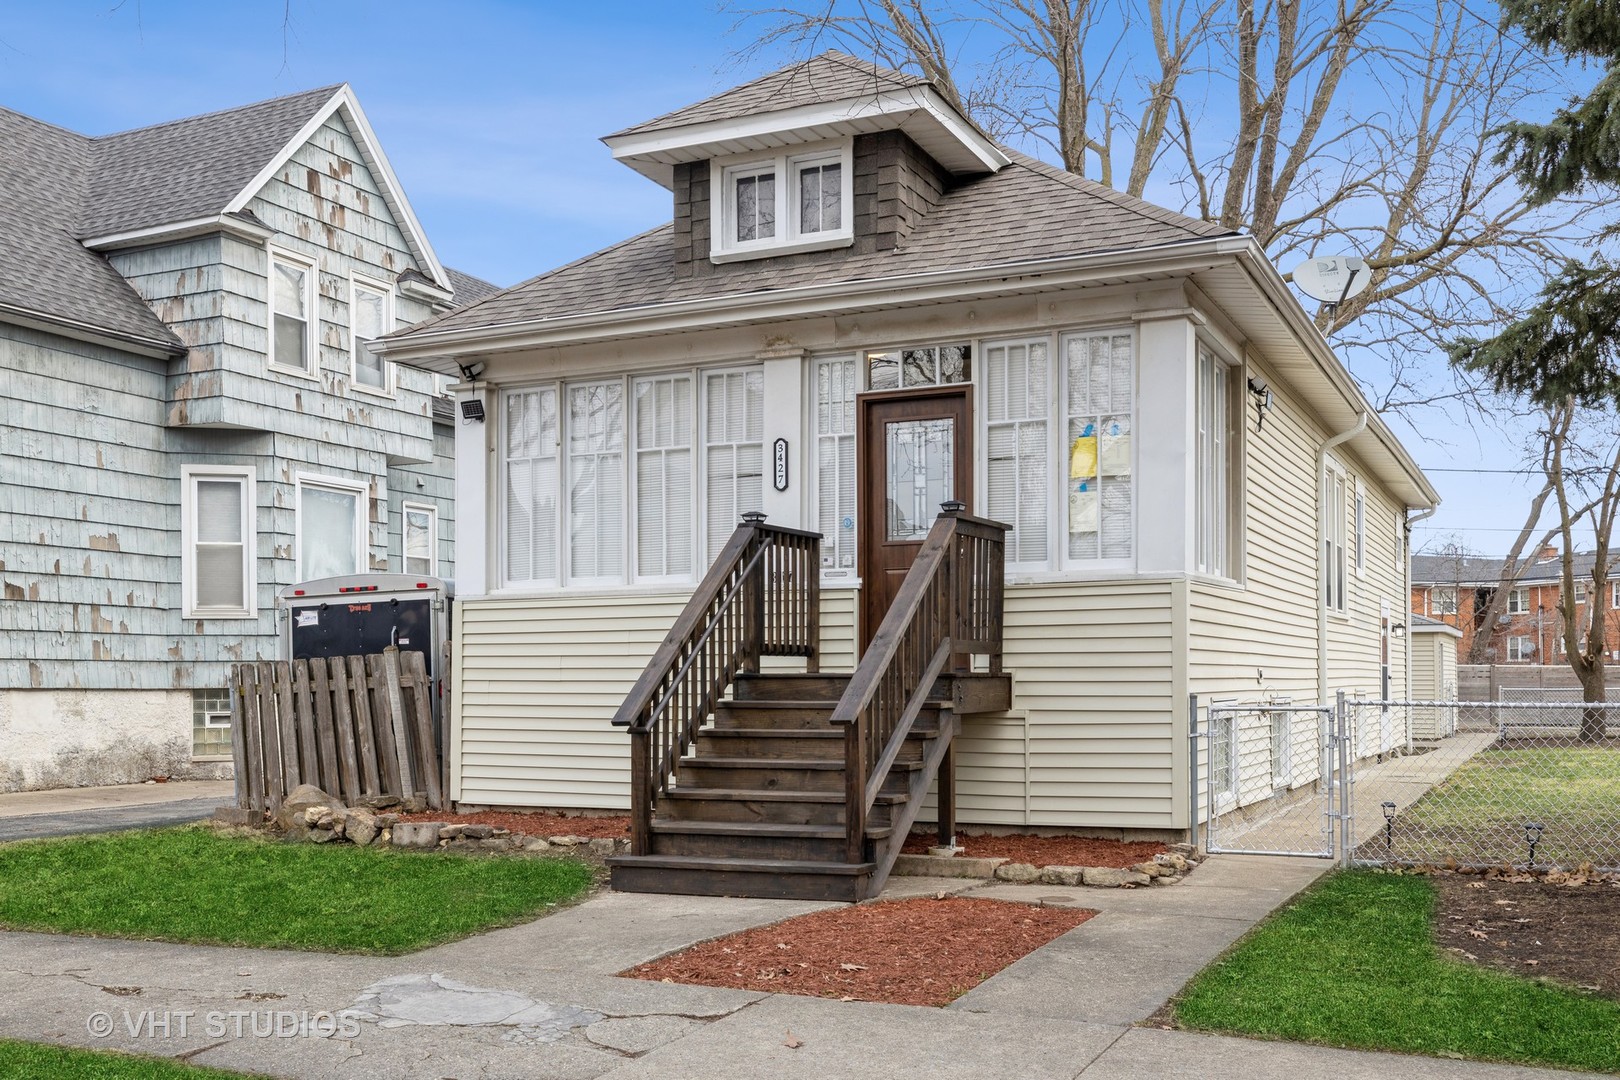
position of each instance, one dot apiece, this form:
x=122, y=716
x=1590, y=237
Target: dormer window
x=791, y=201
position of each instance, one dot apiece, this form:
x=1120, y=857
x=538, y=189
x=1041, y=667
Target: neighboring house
x=843, y=240
x=1457, y=590
x=192, y=416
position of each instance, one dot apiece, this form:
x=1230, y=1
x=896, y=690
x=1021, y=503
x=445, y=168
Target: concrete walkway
x=542, y=1000
x=63, y=811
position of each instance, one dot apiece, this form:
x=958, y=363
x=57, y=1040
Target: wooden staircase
x=804, y=785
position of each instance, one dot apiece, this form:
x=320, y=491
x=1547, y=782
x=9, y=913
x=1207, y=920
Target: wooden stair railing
x=949, y=609
x=760, y=598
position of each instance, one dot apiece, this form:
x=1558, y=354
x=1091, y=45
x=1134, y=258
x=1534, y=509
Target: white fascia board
x=689, y=142
x=371, y=150
x=1271, y=285
x=156, y=348
x=1184, y=257
x=179, y=230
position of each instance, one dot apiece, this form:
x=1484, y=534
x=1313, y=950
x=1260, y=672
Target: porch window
x=664, y=419
x=530, y=507
x=936, y=365
x=1334, y=521
x=1099, y=379
x=1214, y=463
x=1018, y=396
x=596, y=534
x=331, y=528
x=217, y=556
x=835, y=391
x=734, y=450
x=292, y=290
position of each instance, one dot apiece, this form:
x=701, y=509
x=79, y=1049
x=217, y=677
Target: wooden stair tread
x=773, y=733
x=757, y=828
x=781, y=763
x=714, y=862
x=770, y=795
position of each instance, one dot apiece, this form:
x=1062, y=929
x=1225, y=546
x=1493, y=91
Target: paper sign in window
x=1114, y=450
x=1082, y=508
x=1083, y=455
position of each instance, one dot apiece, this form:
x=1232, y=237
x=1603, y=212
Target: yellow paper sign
x=1083, y=456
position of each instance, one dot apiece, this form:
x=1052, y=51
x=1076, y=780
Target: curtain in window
x=368, y=312
x=836, y=388
x=328, y=528
x=734, y=451
x=418, y=541
x=596, y=535
x=530, y=527
x=1213, y=463
x=664, y=418
x=1100, y=377
x=1017, y=403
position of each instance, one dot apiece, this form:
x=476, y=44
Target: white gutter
x=83, y=331
x=1406, y=574
x=1322, y=569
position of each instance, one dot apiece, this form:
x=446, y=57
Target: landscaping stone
x=566, y=841
x=1150, y=868
x=935, y=866
x=361, y=826
x=945, y=852
x=1110, y=878
x=300, y=800
x=497, y=843
x=379, y=802
x=417, y=834
x=477, y=832
x=233, y=815
x=1171, y=861
x=413, y=805
x=1061, y=875
x=321, y=836
x=1167, y=879
x=452, y=832
x=536, y=844
x=1018, y=873
x=602, y=846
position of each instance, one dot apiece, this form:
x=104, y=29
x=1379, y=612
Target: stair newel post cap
x=753, y=518
x=953, y=506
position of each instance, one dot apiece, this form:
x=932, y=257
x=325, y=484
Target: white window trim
x=809, y=464
x=565, y=529
x=785, y=165
x=432, y=512
x=1334, y=527
x=189, y=475
x=362, y=540
x=1519, y=643
x=1233, y=573
x=1056, y=436
x=311, y=312
x=701, y=461
x=632, y=482
x=1059, y=523
x=1522, y=608
x=358, y=282
x=1359, y=526
x=1437, y=608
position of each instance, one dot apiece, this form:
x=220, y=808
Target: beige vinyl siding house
x=1164, y=540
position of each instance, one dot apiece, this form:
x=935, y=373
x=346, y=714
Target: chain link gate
x=1271, y=778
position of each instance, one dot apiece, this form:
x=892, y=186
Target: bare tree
x=1351, y=126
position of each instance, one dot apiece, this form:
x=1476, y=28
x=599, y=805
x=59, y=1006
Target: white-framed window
x=1098, y=385
x=836, y=382
x=1580, y=591
x=419, y=538
x=371, y=315
x=595, y=477
x=211, y=725
x=330, y=527
x=1520, y=647
x=1214, y=457
x=292, y=314
x=1519, y=601
x=1018, y=450
x=1443, y=600
x=601, y=489
x=733, y=451
x=790, y=201
x=217, y=556
x=1361, y=529
x=1334, y=522
x=666, y=503
x=923, y=365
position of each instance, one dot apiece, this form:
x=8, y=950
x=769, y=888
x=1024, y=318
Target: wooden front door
x=916, y=451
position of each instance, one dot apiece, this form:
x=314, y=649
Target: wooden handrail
x=949, y=609
x=760, y=598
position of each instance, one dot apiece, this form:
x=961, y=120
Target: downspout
x=1321, y=565
x=1406, y=573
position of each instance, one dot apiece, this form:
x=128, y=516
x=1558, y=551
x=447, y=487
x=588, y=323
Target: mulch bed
x=537, y=824
x=1568, y=933
x=903, y=952
x=1045, y=850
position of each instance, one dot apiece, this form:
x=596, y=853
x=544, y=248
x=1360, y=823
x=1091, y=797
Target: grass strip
x=36, y=1061
x=192, y=885
x=1352, y=963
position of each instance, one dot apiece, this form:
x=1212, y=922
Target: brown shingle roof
x=831, y=76
x=1028, y=210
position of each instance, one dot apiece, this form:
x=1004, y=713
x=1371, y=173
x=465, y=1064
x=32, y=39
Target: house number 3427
x=779, y=464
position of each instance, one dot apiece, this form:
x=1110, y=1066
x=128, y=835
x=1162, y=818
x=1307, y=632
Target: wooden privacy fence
x=354, y=726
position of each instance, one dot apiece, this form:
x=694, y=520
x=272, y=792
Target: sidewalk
x=62, y=811
x=541, y=999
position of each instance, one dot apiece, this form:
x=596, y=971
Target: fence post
x=1346, y=781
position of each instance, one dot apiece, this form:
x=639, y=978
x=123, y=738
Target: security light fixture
x=472, y=409
x=1262, y=401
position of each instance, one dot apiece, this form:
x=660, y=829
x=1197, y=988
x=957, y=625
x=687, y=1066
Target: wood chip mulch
x=903, y=952
x=1046, y=850
x=1566, y=932
x=536, y=824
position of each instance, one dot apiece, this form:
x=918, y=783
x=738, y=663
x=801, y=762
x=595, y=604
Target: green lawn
x=33, y=1061
x=190, y=884
x=1478, y=814
x=1352, y=963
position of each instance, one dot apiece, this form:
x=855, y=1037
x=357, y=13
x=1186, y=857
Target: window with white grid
x=733, y=450
x=1099, y=377
x=836, y=385
x=1214, y=464
x=1334, y=521
x=1018, y=400
x=665, y=500
x=596, y=533
x=531, y=511
x=217, y=554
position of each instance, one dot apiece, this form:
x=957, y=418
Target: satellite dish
x=1332, y=279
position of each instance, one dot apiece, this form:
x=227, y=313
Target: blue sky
x=491, y=113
